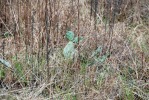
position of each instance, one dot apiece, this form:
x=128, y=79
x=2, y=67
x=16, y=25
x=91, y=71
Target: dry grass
x=123, y=75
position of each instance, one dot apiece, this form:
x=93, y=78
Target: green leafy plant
x=102, y=59
x=6, y=35
x=96, y=52
x=69, y=50
x=70, y=35
x=76, y=39
x=96, y=59
x=4, y=62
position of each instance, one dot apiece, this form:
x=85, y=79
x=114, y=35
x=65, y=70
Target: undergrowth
x=69, y=50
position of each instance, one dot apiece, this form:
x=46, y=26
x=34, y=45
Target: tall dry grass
x=32, y=38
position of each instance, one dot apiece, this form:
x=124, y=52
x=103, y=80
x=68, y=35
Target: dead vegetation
x=112, y=60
